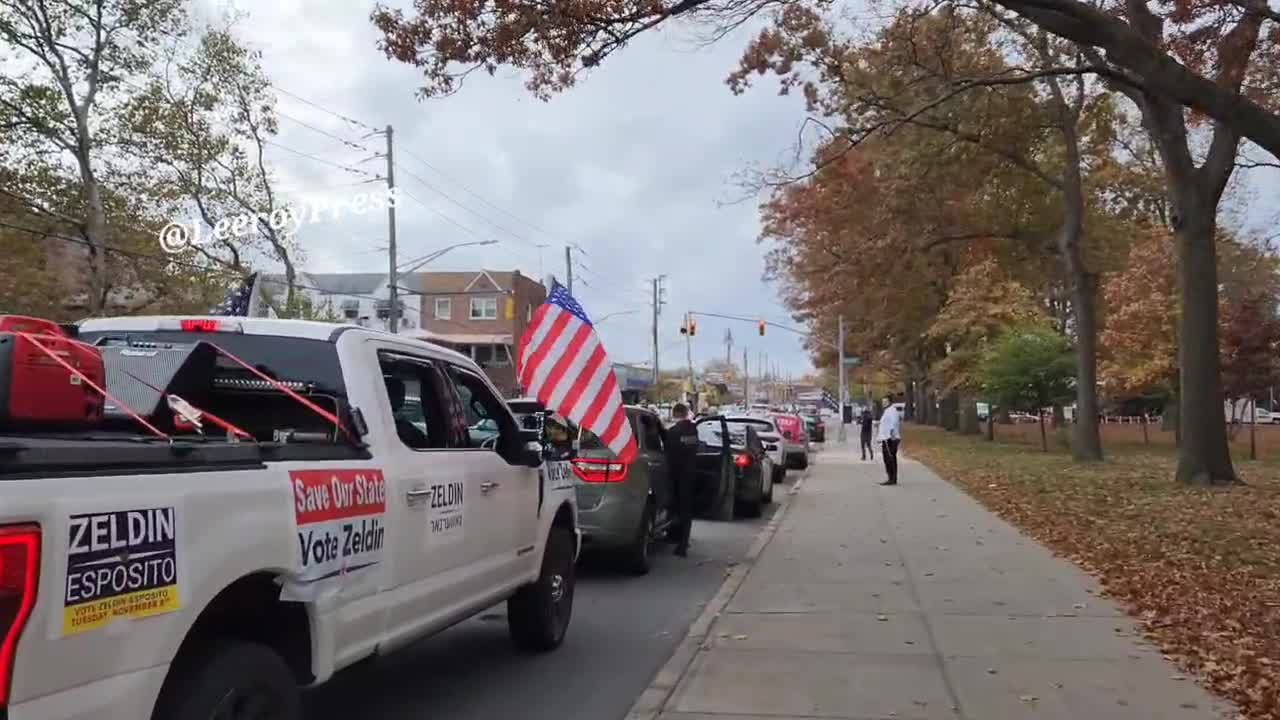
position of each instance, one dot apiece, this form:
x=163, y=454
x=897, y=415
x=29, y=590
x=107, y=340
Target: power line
x=321, y=108
x=451, y=199
x=451, y=221
x=330, y=163
x=477, y=195
x=326, y=133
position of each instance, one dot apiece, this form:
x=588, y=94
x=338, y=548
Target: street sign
x=853, y=361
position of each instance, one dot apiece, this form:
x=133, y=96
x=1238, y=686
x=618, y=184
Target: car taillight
x=19, y=578
x=742, y=460
x=599, y=471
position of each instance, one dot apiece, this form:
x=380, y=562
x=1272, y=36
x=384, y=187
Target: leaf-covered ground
x=1200, y=567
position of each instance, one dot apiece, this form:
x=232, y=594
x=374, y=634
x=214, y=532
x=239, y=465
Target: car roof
x=277, y=327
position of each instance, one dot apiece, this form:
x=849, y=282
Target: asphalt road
x=623, y=629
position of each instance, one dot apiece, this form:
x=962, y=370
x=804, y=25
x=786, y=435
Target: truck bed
x=30, y=456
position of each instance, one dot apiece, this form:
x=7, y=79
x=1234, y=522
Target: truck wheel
x=768, y=490
x=233, y=680
x=804, y=462
x=538, y=614
x=638, y=554
x=728, y=486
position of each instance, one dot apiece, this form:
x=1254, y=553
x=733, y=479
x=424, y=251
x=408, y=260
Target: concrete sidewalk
x=915, y=602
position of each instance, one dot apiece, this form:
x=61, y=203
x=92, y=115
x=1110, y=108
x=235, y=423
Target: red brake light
x=599, y=471
x=19, y=579
x=200, y=325
x=742, y=460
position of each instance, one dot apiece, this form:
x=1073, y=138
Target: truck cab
x=174, y=573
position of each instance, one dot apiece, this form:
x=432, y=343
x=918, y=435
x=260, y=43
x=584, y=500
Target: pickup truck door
x=435, y=501
x=506, y=511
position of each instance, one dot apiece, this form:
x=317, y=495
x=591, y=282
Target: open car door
x=714, y=494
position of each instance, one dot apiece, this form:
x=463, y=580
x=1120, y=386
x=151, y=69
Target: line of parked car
x=625, y=508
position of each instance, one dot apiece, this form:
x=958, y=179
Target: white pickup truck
x=176, y=576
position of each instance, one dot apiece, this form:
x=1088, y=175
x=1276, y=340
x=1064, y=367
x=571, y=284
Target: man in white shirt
x=890, y=437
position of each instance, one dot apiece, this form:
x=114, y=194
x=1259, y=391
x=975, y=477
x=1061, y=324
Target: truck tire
x=637, y=559
x=768, y=490
x=233, y=679
x=538, y=614
x=804, y=462
x=724, y=510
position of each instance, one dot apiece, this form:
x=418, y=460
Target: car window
x=709, y=433
x=763, y=426
x=651, y=431
x=414, y=396
x=481, y=411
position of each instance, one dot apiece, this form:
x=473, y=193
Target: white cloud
x=629, y=166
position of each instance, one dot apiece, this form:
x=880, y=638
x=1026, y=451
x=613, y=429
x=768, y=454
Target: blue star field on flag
x=560, y=296
x=237, y=302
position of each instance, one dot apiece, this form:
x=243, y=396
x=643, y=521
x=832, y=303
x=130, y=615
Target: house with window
x=481, y=313
x=358, y=298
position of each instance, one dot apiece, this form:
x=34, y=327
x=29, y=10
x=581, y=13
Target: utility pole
x=393, y=312
x=840, y=346
x=728, y=345
x=657, y=312
x=688, y=349
x=568, y=267
x=746, y=381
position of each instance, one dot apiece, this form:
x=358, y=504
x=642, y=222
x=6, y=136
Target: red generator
x=35, y=389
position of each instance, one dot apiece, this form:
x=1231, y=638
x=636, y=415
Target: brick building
x=479, y=313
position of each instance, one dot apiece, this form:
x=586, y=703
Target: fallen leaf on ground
x=1199, y=567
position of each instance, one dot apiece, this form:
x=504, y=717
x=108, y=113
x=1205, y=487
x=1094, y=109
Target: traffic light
x=693, y=325
x=761, y=326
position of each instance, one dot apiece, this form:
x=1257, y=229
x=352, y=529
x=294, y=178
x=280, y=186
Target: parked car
x=795, y=448
x=157, y=573
x=624, y=507
x=753, y=468
x=771, y=437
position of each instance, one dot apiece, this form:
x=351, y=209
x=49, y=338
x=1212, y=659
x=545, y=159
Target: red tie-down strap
x=285, y=389
x=85, y=379
x=224, y=424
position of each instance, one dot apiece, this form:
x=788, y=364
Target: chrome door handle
x=487, y=486
x=416, y=494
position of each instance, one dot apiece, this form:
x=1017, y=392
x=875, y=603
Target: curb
x=653, y=700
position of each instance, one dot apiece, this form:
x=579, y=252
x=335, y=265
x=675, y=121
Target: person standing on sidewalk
x=867, y=421
x=890, y=437
x=682, y=456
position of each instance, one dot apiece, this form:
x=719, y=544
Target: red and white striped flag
x=563, y=364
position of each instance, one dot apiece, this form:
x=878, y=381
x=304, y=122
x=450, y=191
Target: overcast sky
x=633, y=166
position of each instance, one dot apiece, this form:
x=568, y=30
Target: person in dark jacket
x=682, y=457
x=866, y=422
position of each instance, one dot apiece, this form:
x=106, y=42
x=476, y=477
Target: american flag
x=563, y=364
x=237, y=302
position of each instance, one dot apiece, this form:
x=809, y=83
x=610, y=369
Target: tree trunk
x=991, y=423
x=1146, y=439
x=1253, y=427
x=911, y=400
x=1044, y=439
x=1204, y=457
x=969, y=416
x=95, y=232
x=1086, y=442
x=951, y=412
